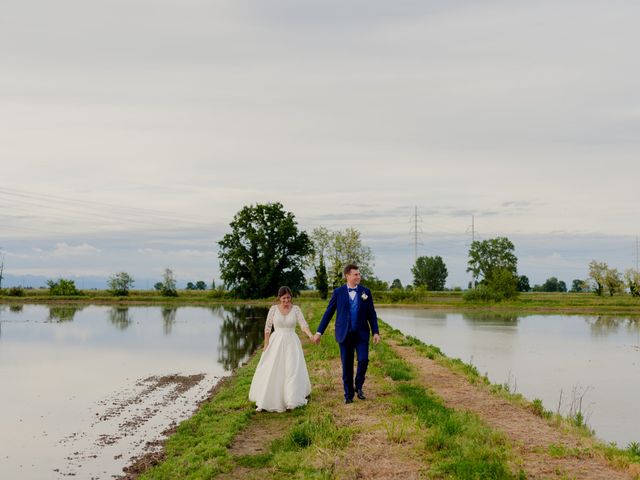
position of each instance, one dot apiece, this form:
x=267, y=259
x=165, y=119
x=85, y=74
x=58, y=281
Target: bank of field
x=426, y=416
x=525, y=303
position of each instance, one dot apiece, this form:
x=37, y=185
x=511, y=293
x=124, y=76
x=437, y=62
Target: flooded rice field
x=84, y=390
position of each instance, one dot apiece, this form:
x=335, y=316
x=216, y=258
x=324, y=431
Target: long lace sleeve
x=302, y=322
x=269, y=324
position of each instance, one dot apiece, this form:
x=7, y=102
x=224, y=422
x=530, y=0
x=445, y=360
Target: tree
x=201, y=285
x=168, y=284
x=63, y=287
x=396, y=284
x=321, y=241
x=264, y=251
x=632, y=277
x=523, y=283
x=597, y=273
x=120, y=283
x=346, y=247
x=321, y=280
x=578, y=286
x=157, y=286
x=495, y=264
x=613, y=281
x=552, y=284
x=374, y=283
x=486, y=257
x=503, y=283
x=430, y=272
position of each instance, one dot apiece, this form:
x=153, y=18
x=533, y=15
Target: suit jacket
x=339, y=303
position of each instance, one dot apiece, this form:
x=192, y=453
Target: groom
x=356, y=313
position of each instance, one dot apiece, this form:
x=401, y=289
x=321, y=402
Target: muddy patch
x=131, y=424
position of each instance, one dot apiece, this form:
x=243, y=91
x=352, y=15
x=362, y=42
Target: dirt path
x=377, y=457
x=530, y=434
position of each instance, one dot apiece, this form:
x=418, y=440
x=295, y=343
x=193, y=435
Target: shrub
x=16, y=292
x=120, y=284
x=63, y=287
x=482, y=293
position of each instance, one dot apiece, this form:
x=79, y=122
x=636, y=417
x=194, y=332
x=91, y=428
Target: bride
x=281, y=381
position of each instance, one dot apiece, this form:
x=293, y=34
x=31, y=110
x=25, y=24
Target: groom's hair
x=349, y=267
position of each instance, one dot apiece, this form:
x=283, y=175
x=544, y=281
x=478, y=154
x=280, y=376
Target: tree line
x=265, y=249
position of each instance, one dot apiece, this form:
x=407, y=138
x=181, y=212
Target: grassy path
x=425, y=417
x=546, y=450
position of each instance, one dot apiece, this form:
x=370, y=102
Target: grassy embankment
x=317, y=441
x=620, y=458
x=526, y=302
x=313, y=439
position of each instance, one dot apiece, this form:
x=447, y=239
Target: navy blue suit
x=352, y=335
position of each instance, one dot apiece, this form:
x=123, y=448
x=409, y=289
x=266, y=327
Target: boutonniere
x=364, y=296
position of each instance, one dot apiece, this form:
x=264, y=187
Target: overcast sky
x=132, y=131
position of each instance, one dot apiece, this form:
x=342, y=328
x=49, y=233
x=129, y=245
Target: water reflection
x=603, y=325
x=120, y=317
x=168, y=318
x=491, y=317
x=240, y=333
x=543, y=355
x=63, y=313
x=67, y=366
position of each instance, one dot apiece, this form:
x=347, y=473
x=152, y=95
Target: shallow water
x=592, y=358
x=84, y=389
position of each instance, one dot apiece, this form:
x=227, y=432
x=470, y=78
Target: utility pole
x=472, y=228
x=1, y=267
x=415, y=230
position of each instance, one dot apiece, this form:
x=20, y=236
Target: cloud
x=63, y=249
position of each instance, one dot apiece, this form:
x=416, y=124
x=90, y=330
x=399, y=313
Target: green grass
x=457, y=444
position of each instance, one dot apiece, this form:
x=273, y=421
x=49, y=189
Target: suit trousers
x=353, y=344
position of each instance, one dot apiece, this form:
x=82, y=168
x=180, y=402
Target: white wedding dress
x=281, y=380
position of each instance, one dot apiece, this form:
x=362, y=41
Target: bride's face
x=285, y=300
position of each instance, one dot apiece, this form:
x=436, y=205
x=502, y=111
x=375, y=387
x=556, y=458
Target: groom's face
x=353, y=277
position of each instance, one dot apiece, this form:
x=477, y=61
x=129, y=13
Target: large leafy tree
x=489, y=257
x=494, y=265
x=346, y=247
x=430, y=272
x=264, y=251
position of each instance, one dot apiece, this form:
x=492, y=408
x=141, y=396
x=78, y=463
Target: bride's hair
x=284, y=291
